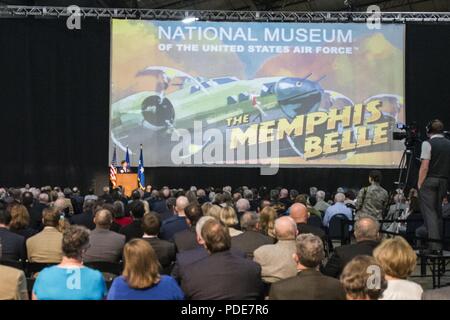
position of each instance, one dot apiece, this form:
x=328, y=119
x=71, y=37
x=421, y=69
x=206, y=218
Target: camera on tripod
x=410, y=133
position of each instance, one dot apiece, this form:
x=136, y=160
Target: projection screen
x=249, y=94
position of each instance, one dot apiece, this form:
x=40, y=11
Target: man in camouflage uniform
x=372, y=200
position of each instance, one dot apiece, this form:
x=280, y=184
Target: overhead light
x=189, y=20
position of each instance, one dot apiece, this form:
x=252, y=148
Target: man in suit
x=284, y=198
x=159, y=205
x=299, y=213
x=46, y=246
x=176, y=223
x=251, y=239
x=242, y=206
x=276, y=259
x=86, y=218
x=367, y=238
x=309, y=283
x=12, y=244
x=134, y=229
x=105, y=245
x=187, y=239
x=186, y=258
x=77, y=200
x=164, y=250
x=35, y=211
x=124, y=167
x=221, y=275
x=13, y=284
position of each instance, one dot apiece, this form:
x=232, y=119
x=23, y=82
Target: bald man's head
x=181, y=203
x=285, y=228
x=367, y=228
x=284, y=193
x=60, y=204
x=339, y=197
x=103, y=219
x=299, y=213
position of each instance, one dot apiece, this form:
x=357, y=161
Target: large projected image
x=251, y=94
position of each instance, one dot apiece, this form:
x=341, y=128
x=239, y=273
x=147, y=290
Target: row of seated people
x=208, y=259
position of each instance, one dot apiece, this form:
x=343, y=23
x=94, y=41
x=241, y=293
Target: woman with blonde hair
x=398, y=261
x=267, y=218
x=205, y=208
x=214, y=211
x=20, y=221
x=229, y=218
x=140, y=279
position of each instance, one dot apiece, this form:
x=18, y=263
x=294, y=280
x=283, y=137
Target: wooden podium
x=128, y=181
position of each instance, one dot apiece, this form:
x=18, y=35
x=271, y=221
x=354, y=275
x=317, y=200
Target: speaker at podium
x=129, y=182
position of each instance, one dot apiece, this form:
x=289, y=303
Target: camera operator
x=433, y=181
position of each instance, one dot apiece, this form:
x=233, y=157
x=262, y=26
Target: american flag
x=113, y=170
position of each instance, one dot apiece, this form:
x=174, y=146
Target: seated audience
x=309, y=283
x=45, y=247
x=398, y=261
x=86, y=218
x=267, y=217
x=337, y=208
x=229, y=218
x=20, y=221
x=71, y=280
x=367, y=239
x=187, y=239
x=13, y=284
x=251, y=239
x=221, y=275
x=134, y=229
x=105, y=245
x=356, y=278
x=276, y=259
x=140, y=279
x=177, y=222
x=299, y=213
x=165, y=250
x=12, y=244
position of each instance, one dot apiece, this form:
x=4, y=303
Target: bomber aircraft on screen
x=178, y=99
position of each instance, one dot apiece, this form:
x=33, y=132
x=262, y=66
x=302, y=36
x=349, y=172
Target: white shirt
x=426, y=147
x=399, y=289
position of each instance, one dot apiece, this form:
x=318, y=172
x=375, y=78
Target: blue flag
x=114, y=158
x=127, y=158
x=141, y=175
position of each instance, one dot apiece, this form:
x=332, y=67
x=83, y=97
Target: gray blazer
x=106, y=246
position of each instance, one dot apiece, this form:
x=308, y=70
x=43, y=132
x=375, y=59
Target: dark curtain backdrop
x=55, y=101
x=55, y=109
